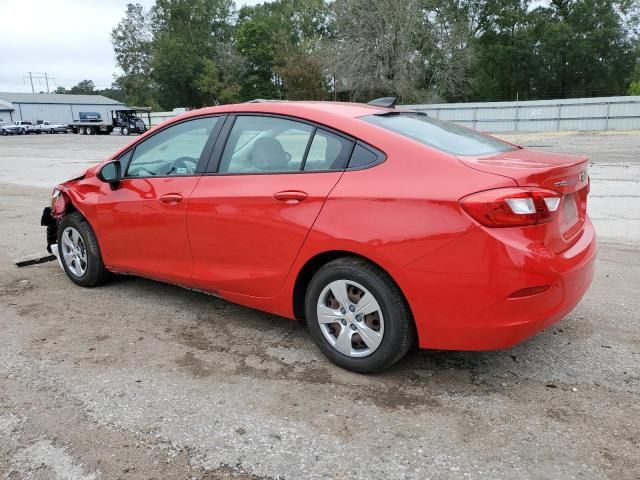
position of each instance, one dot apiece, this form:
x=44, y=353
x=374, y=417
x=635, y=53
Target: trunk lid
x=566, y=174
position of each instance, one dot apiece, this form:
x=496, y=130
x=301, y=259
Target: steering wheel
x=188, y=163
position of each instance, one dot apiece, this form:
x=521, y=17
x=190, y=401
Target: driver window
x=265, y=145
x=173, y=151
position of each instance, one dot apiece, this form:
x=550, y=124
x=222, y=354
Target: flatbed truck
x=126, y=121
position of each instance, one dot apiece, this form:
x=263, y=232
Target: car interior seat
x=267, y=154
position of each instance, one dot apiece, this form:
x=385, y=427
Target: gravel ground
x=139, y=380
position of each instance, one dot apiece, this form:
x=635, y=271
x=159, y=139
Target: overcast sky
x=68, y=39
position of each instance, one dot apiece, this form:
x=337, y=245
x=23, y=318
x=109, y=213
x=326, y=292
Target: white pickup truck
x=25, y=127
x=50, y=127
x=9, y=129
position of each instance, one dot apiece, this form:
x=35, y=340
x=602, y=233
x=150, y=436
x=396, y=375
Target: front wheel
x=124, y=131
x=357, y=315
x=79, y=251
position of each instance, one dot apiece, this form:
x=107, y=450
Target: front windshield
x=444, y=136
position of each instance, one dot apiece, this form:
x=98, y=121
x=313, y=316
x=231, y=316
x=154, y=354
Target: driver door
x=142, y=224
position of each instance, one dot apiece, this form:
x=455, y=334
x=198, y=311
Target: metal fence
x=604, y=113
x=159, y=117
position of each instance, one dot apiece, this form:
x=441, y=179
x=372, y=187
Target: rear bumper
x=462, y=298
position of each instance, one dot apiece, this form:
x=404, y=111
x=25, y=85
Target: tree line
x=204, y=52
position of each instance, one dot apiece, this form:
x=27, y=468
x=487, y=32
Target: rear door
x=249, y=215
x=142, y=224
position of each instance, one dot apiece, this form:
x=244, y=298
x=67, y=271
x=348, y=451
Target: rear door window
x=444, y=136
x=328, y=151
x=262, y=144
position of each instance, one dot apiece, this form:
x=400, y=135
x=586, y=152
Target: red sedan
x=381, y=228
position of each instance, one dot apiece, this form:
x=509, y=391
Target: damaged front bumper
x=51, y=223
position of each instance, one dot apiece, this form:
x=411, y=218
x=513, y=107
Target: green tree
x=303, y=76
x=114, y=93
x=186, y=36
x=85, y=87
x=447, y=47
x=275, y=39
x=505, y=45
x=215, y=85
x=132, y=45
x=564, y=48
x=584, y=49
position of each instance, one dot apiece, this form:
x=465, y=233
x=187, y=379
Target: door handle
x=290, y=196
x=170, y=198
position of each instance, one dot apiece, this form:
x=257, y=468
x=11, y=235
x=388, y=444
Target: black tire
x=399, y=330
x=81, y=131
x=96, y=273
x=90, y=131
x=124, y=131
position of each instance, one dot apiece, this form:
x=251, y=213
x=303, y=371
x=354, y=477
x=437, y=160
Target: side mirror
x=111, y=173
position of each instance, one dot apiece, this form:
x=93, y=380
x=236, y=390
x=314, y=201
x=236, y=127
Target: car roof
x=337, y=115
x=295, y=108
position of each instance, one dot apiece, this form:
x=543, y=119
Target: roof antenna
x=385, y=102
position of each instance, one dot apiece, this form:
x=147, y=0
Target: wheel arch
x=73, y=204
x=313, y=264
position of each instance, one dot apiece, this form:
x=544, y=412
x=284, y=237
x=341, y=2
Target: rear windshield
x=438, y=134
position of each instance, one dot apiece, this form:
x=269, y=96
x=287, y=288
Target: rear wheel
x=79, y=251
x=90, y=131
x=358, y=316
x=81, y=130
x=124, y=131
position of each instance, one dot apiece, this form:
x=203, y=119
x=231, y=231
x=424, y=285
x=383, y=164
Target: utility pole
x=31, y=79
x=44, y=75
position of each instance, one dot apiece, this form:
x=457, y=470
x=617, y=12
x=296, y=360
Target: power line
x=40, y=76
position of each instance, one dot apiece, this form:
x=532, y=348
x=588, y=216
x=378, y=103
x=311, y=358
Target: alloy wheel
x=74, y=252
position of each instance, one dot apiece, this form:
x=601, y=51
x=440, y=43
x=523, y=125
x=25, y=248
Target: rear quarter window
x=363, y=157
x=443, y=136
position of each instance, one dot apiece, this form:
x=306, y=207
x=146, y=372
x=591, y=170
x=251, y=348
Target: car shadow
x=272, y=333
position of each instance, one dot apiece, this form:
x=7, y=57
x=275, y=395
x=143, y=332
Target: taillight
x=512, y=207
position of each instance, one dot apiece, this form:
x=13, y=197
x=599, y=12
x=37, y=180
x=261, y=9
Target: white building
x=53, y=106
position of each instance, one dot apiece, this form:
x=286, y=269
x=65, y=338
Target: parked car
x=380, y=227
x=50, y=127
x=9, y=129
x=25, y=127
